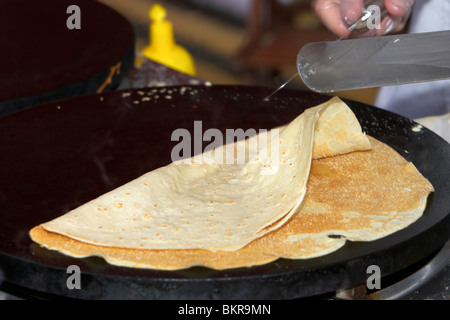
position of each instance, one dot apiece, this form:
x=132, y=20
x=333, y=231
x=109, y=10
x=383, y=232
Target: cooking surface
x=63, y=154
x=42, y=59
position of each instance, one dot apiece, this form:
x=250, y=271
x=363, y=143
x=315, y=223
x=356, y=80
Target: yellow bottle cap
x=162, y=47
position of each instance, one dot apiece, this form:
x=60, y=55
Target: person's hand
x=335, y=13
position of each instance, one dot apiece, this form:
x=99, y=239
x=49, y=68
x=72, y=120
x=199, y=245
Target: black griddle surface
x=41, y=59
x=60, y=155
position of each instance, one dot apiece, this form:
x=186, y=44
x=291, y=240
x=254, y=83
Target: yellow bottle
x=162, y=47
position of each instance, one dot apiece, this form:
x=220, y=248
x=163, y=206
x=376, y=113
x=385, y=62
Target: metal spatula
x=374, y=62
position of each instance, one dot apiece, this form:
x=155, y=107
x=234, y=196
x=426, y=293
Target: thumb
x=351, y=10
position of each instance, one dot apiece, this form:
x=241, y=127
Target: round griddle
x=41, y=59
x=60, y=155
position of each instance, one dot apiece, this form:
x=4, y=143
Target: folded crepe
x=226, y=215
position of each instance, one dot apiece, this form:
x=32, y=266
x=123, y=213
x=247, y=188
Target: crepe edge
x=223, y=260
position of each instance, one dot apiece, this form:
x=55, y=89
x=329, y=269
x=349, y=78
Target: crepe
x=361, y=196
x=258, y=217
x=213, y=205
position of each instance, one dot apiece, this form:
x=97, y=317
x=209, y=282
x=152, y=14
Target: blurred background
x=252, y=42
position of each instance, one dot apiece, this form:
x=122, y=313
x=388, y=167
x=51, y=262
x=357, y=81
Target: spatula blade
x=374, y=62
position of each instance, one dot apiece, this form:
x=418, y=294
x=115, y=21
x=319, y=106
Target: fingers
x=329, y=11
x=398, y=14
x=399, y=8
x=337, y=15
x=351, y=10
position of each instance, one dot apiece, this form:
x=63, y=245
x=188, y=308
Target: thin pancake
x=214, y=204
x=360, y=196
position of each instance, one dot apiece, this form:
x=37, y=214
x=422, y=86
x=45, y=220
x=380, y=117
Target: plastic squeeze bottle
x=163, y=48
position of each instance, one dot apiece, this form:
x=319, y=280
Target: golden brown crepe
x=359, y=195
